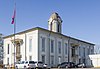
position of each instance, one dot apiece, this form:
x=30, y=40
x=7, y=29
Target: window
x=58, y=28
x=8, y=48
x=30, y=57
x=59, y=59
x=30, y=45
x=79, y=51
x=43, y=44
x=73, y=51
x=59, y=47
x=22, y=62
x=43, y=58
x=88, y=51
x=84, y=60
x=52, y=60
x=52, y=46
x=8, y=61
x=92, y=51
x=31, y=62
x=65, y=48
x=84, y=52
x=79, y=60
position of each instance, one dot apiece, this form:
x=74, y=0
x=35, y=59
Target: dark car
x=39, y=64
x=67, y=65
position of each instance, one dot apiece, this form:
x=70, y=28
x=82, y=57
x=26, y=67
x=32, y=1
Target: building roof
x=39, y=28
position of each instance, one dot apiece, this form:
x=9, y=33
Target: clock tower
x=55, y=23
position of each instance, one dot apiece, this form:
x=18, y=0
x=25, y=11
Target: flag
x=13, y=17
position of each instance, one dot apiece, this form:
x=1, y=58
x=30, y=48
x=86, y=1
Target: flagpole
x=14, y=44
x=14, y=33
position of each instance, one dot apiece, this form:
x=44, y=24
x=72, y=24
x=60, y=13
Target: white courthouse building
x=49, y=46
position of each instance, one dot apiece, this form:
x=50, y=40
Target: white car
x=19, y=64
x=26, y=64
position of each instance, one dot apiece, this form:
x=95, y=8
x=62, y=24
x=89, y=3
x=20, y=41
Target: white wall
x=34, y=53
x=11, y=51
x=95, y=60
x=56, y=38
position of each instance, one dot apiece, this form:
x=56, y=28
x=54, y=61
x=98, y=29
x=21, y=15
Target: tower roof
x=55, y=16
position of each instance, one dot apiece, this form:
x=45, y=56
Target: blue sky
x=81, y=18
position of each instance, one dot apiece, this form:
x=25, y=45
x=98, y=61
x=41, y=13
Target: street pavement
x=66, y=68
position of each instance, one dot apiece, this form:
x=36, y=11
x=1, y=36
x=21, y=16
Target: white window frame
x=43, y=60
x=52, y=60
x=30, y=58
x=66, y=48
x=30, y=45
x=52, y=46
x=59, y=47
x=43, y=44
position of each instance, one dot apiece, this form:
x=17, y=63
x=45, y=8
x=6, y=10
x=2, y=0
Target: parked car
x=29, y=64
x=39, y=64
x=25, y=64
x=67, y=65
x=19, y=64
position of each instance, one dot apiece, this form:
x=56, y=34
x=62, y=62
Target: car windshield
x=17, y=62
x=31, y=62
x=39, y=62
x=22, y=62
x=26, y=62
x=64, y=63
